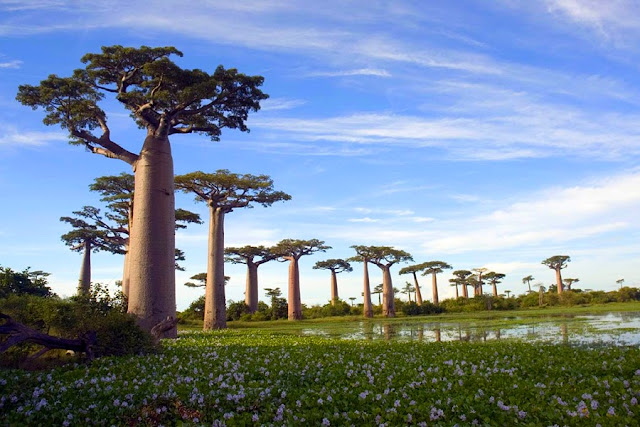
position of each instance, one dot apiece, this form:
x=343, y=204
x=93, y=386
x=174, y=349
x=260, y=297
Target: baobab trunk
x=434, y=284
x=334, y=287
x=457, y=296
x=251, y=291
x=84, y=283
x=559, y=280
x=418, y=294
x=465, y=293
x=215, y=304
x=367, y=310
x=388, y=302
x=495, y=290
x=295, y=306
x=125, y=272
x=152, y=286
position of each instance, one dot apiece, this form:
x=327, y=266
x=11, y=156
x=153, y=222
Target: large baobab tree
x=528, y=279
x=223, y=192
x=494, y=278
x=90, y=234
x=557, y=263
x=292, y=250
x=367, y=308
x=384, y=257
x=253, y=257
x=477, y=290
x=569, y=282
x=335, y=266
x=414, y=269
x=165, y=100
x=434, y=268
x=117, y=192
x=462, y=276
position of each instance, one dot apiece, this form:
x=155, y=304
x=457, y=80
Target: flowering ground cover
x=244, y=377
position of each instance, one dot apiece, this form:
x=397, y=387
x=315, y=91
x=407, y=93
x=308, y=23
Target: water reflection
x=611, y=328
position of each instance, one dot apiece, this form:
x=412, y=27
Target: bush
x=413, y=309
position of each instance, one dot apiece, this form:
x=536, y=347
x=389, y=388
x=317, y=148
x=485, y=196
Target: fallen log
x=19, y=333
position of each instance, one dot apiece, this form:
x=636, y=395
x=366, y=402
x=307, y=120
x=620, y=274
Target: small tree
x=494, y=278
x=507, y=292
x=378, y=290
x=463, y=276
x=385, y=257
x=528, y=279
x=620, y=282
x=367, y=308
x=455, y=282
x=557, y=263
x=253, y=257
x=352, y=299
x=165, y=100
x=223, y=192
x=413, y=270
x=25, y=282
x=408, y=288
x=477, y=289
x=335, y=266
x=274, y=295
x=569, y=282
x=434, y=268
x=292, y=250
x=90, y=234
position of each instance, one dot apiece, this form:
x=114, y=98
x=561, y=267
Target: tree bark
x=434, y=284
x=559, y=280
x=152, y=286
x=418, y=293
x=465, y=292
x=457, y=296
x=388, y=300
x=251, y=291
x=125, y=272
x=294, y=304
x=367, y=309
x=84, y=283
x=215, y=304
x=334, y=287
x=495, y=290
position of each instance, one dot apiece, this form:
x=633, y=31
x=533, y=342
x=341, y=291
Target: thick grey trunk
x=84, y=283
x=418, y=293
x=125, y=273
x=388, y=299
x=367, y=309
x=334, y=287
x=559, y=280
x=251, y=291
x=152, y=284
x=434, y=284
x=457, y=296
x=495, y=290
x=215, y=304
x=295, y=305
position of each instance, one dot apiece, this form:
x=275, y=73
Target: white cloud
x=14, y=138
x=277, y=104
x=11, y=64
x=365, y=219
x=357, y=72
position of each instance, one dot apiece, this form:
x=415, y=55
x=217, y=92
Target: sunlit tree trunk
x=559, y=280
x=367, y=307
x=152, y=290
x=334, y=287
x=465, y=293
x=457, y=296
x=251, y=291
x=418, y=293
x=125, y=272
x=215, y=305
x=388, y=301
x=84, y=283
x=495, y=290
x=434, y=284
x=295, y=305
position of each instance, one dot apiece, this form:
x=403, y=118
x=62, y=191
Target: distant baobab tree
x=352, y=299
x=455, y=282
x=253, y=257
x=541, y=290
x=463, y=280
x=494, y=279
x=557, y=263
x=378, y=290
x=413, y=270
x=335, y=266
x=569, y=282
x=408, y=288
x=434, y=268
x=362, y=256
x=292, y=250
x=620, y=282
x=479, y=283
x=201, y=281
x=528, y=279
x=507, y=292
x=223, y=192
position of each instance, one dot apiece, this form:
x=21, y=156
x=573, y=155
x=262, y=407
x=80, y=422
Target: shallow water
x=608, y=328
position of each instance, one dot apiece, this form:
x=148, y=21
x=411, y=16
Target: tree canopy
x=296, y=248
x=557, y=262
x=333, y=264
x=25, y=282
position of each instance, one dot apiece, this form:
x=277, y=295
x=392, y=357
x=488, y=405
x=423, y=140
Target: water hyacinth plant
x=261, y=378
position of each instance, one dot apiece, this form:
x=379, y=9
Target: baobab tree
x=455, y=282
x=528, y=279
x=569, y=282
x=408, y=288
x=507, y=292
x=367, y=308
x=292, y=250
x=253, y=257
x=335, y=266
x=477, y=290
x=384, y=257
x=434, y=268
x=352, y=299
x=557, y=263
x=378, y=290
x=165, y=100
x=90, y=234
x=463, y=276
x=414, y=269
x=541, y=290
x=620, y=282
x=201, y=281
x=494, y=278
x=223, y=192
x=117, y=192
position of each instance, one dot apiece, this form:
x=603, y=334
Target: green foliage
x=235, y=310
x=341, y=308
x=25, y=282
x=333, y=264
x=413, y=309
x=297, y=248
x=380, y=255
x=90, y=228
x=248, y=254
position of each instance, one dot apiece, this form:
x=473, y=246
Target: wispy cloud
x=347, y=73
x=14, y=138
x=277, y=104
x=15, y=64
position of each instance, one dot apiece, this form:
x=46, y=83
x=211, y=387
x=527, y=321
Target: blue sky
x=484, y=134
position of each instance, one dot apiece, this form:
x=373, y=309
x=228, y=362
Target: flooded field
x=607, y=328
